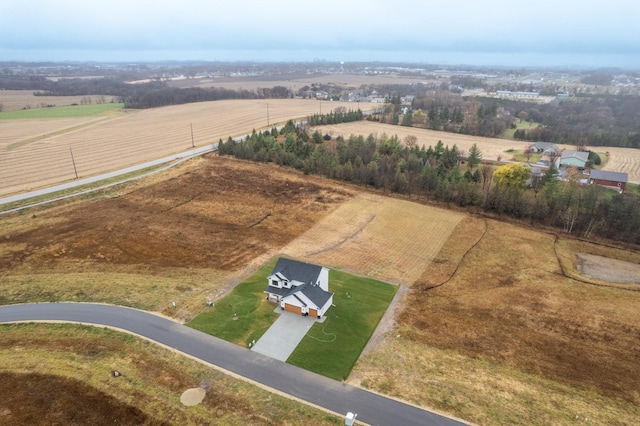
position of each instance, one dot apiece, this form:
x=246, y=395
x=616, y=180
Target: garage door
x=293, y=308
x=313, y=313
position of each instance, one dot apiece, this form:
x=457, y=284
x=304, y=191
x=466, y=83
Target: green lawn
x=332, y=348
x=74, y=111
x=520, y=124
x=253, y=313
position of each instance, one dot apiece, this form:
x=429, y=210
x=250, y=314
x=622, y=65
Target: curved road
x=371, y=408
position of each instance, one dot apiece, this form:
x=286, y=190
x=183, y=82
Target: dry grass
x=148, y=391
x=380, y=237
x=508, y=339
x=620, y=159
x=183, y=236
x=137, y=137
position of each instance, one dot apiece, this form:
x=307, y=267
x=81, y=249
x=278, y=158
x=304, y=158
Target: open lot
x=508, y=339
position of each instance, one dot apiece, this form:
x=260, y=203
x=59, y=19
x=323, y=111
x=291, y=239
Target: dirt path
x=388, y=320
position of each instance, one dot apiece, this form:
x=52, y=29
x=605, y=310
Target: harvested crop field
x=136, y=137
x=379, y=237
x=620, y=159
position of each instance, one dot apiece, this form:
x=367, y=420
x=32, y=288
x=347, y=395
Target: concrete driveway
x=284, y=335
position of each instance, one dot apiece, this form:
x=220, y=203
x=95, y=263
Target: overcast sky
x=589, y=33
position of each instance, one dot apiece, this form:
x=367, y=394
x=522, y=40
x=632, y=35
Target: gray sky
x=591, y=33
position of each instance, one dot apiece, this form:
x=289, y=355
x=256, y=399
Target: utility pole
x=74, y=163
x=192, y=144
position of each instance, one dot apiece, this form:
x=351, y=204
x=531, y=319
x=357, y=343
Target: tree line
x=594, y=120
x=435, y=173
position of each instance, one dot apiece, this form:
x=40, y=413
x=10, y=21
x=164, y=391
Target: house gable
x=299, y=284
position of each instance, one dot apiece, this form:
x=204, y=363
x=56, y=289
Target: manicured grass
x=332, y=348
x=60, y=112
x=253, y=313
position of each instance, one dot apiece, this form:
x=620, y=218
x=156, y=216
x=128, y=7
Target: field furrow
x=134, y=138
x=387, y=239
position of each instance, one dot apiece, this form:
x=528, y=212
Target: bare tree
x=486, y=171
x=410, y=141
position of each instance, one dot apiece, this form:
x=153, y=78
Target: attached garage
x=293, y=308
x=313, y=313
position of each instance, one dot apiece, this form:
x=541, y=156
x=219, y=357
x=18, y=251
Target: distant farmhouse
x=301, y=288
x=546, y=148
x=572, y=158
x=616, y=180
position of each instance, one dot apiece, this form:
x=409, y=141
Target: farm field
x=378, y=237
x=134, y=138
x=507, y=339
x=14, y=100
x=619, y=160
x=296, y=82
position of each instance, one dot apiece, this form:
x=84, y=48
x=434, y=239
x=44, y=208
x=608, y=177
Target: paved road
x=172, y=159
x=371, y=408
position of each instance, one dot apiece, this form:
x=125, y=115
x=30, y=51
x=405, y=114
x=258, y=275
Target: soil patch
x=213, y=213
x=38, y=399
x=606, y=269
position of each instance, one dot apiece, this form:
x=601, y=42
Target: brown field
x=13, y=100
x=61, y=375
x=137, y=137
x=380, y=237
x=508, y=339
x=619, y=160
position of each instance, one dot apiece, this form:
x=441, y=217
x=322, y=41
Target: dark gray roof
x=315, y=294
x=612, y=176
x=545, y=145
x=298, y=271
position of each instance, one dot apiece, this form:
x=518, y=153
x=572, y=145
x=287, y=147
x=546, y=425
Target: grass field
x=332, y=348
x=70, y=111
x=83, y=390
x=507, y=339
x=242, y=315
x=520, y=124
x=513, y=334
x=14, y=100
